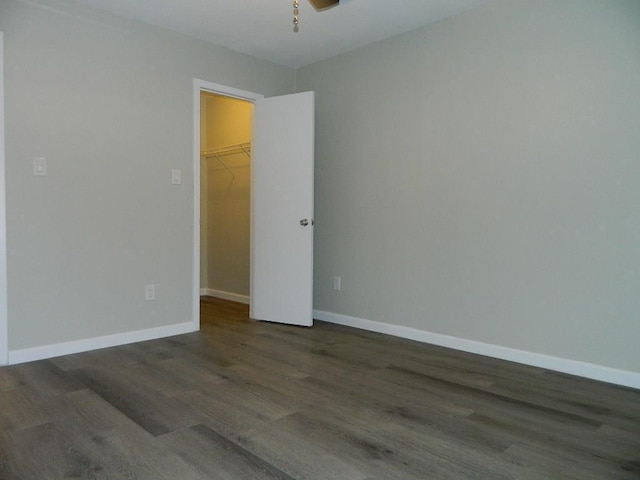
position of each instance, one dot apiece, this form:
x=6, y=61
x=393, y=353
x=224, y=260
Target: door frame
x=200, y=86
x=4, y=327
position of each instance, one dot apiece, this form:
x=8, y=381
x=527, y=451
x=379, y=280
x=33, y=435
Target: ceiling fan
x=322, y=4
x=319, y=5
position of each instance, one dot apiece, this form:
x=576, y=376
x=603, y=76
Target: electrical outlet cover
x=149, y=292
x=39, y=166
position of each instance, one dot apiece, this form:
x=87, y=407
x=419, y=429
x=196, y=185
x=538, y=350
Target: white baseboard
x=77, y=346
x=573, y=367
x=234, y=297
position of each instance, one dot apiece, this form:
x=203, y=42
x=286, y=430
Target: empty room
x=414, y=254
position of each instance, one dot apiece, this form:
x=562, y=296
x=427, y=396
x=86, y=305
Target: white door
x=282, y=209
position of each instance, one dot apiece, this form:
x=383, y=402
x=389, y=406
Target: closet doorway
x=225, y=206
x=280, y=206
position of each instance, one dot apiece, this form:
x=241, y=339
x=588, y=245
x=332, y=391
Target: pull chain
x=296, y=4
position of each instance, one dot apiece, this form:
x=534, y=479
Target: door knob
x=304, y=222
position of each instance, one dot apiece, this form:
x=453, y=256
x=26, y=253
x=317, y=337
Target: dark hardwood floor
x=248, y=400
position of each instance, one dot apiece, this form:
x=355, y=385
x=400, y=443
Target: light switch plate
x=39, y=166
x=176, y=177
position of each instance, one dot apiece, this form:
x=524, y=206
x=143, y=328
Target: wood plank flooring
x=249, y=400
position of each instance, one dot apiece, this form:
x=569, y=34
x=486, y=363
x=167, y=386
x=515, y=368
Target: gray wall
x=480, y=178
x=477, y=178
x=109, y=103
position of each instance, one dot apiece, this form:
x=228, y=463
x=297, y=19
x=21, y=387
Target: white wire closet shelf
x=225, y=150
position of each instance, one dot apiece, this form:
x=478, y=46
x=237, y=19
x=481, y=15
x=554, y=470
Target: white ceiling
x=263, y=28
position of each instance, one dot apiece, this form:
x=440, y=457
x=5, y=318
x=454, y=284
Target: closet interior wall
x=225, y=201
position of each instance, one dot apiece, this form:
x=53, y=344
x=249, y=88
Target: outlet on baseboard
x=337, y=284
x=149, y=292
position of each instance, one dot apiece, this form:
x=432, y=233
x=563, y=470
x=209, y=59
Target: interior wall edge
x=4, y=330
x=592, y=371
